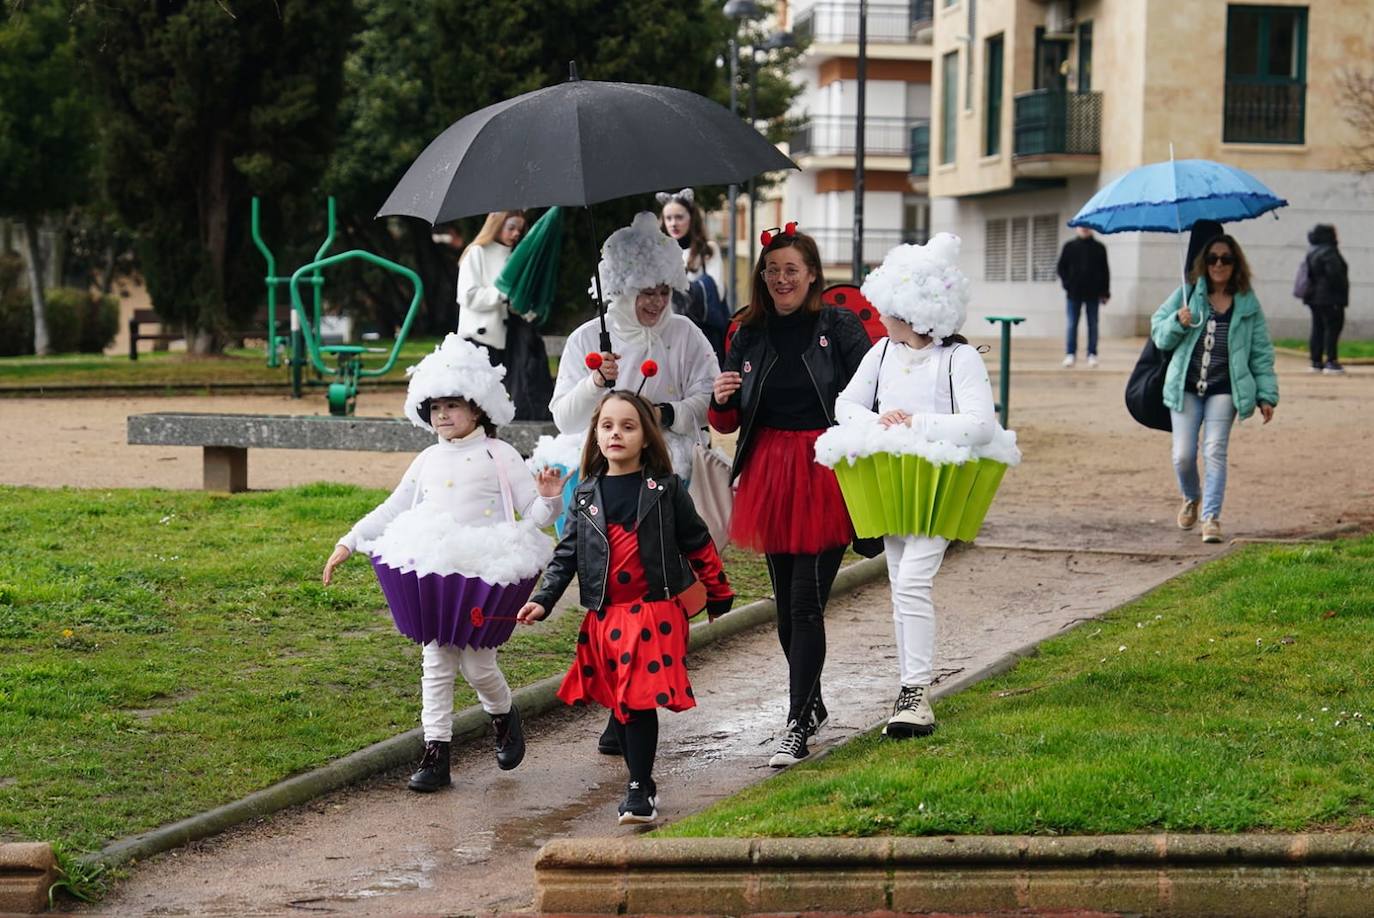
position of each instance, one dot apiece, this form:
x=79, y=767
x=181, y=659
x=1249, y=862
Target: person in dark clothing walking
x=1087, y=283
x=1327, y=293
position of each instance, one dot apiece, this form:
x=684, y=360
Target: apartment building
x=1039, y=103
x=897, y=112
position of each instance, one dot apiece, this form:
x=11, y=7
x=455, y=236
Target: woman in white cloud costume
x=925, y=391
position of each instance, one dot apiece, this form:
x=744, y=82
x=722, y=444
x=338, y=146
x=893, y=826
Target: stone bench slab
x=226, y=438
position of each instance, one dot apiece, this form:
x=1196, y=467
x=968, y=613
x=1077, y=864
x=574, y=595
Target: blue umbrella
x=1170, y=197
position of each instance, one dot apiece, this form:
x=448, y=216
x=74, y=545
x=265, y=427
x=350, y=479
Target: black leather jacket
x=831, y=359
x=669, y=530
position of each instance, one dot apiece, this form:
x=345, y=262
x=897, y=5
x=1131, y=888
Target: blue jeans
x=1212, y=416
x=1071, y=340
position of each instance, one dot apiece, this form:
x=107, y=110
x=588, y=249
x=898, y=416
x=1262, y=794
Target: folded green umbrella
x=530, y=277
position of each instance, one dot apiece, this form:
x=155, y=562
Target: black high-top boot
x=432, y=772
x=510, y=739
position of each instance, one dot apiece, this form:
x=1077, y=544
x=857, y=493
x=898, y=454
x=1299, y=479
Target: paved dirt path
x=1083, y=525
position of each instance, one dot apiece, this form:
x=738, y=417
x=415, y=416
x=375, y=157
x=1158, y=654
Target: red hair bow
x=767, y=236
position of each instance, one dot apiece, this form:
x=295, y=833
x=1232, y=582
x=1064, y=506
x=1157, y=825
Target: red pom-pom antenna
x=648, y=368
x=593, y=361
x=790, y=229
x=765, y=238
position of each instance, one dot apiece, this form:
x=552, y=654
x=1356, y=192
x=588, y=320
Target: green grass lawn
x=1349, y=350
x=1236, y=698
x=237, y=366
x=165, y=652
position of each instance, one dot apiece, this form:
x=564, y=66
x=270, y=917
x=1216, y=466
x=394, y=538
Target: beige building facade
x=1036, y=104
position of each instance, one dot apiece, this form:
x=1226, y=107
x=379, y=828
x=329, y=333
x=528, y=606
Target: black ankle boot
x=510, y=739
x=432, y=772
x=609, y=742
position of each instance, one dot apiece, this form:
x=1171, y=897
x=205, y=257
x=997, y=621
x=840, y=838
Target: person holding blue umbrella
x=1222, y=365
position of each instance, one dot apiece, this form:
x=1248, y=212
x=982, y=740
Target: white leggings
x=442, y=663
x=912, y=562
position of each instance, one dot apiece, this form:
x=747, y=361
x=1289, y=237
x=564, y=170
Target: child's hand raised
x=530, y=613
x=549, y=481
x=340, y=555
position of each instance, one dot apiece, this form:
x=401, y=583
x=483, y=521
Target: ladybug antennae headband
x=778, y=232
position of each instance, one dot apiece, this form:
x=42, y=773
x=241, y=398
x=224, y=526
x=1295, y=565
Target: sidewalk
x=1082, y=526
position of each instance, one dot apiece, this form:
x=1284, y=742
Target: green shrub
x=77, y=320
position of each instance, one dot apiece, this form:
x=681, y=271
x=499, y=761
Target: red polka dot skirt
x=630, y=653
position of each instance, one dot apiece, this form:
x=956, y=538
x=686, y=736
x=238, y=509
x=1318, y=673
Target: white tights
x=912, y=562
x=441, y=666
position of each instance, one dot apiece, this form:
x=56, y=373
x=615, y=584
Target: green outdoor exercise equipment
x=343, y=391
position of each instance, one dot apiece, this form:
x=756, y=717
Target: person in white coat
x=482, y=309
x=927, y=377
x=640, y=267
x=457, y=393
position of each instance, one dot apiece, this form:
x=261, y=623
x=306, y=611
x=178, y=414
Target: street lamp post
x=741, y=11
x=774, y=42
x=860, y=76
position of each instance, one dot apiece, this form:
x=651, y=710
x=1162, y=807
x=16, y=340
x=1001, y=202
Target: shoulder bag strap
x=878, y=380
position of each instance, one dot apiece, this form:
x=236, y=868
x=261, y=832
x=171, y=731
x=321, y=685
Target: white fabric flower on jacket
x=639, y=256
x=923, y=286
x=458, y=369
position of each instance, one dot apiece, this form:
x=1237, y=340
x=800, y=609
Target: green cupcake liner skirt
x=888, y=494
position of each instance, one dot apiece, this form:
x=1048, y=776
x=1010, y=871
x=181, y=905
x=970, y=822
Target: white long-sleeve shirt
x=460, y=476
x=919, y=382
x=482, y=310
x=687, y=369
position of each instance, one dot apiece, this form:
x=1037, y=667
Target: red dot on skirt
x=476, y=616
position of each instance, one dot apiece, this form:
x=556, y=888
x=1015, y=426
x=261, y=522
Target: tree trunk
x=34, y=256
x=207, y=336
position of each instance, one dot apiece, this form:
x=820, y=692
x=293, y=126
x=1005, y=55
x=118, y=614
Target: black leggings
x=1326, y=334
x=801, y=586
x=639, y=744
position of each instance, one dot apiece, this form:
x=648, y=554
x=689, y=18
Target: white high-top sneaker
x=911, y=714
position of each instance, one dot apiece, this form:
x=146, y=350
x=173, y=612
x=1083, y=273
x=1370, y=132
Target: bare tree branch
x=1357, y=102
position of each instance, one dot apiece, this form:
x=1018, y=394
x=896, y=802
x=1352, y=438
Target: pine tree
x=206, y=103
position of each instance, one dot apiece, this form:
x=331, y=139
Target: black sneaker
x=609, y=741
x=818, y=717
x=510, y=738
x=1333, y=367
x=640, y=806
x=792, y=748
x=432, y=773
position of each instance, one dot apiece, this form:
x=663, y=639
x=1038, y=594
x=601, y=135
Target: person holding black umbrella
x=787, y=363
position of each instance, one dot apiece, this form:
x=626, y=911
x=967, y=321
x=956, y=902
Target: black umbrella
x=578, y=143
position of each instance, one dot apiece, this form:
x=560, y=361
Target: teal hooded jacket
x=1250, y=351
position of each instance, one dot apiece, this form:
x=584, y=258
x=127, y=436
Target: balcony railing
x=1051, y=121
x=920, y=150
x=837, y=244
x=833, y=135
x=1265, y=113
x=888, y=23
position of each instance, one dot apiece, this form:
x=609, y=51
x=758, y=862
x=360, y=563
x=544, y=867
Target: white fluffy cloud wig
x=922, y=285
x=638, y=256
x=458, y=369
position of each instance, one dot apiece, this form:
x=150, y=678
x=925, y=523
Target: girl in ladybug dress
x=636, y=544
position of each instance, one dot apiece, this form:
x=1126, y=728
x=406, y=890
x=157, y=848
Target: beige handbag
x=711, y=492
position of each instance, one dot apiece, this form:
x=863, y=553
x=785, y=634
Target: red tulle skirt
x=787, y=503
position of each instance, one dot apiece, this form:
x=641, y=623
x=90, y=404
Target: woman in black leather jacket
x=787, y=363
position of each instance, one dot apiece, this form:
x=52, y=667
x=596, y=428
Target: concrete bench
x=226, y=438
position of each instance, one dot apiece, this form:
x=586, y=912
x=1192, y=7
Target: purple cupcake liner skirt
x=451, y=608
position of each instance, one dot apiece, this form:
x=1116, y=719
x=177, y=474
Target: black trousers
x=801, y=587
x=1327, y=322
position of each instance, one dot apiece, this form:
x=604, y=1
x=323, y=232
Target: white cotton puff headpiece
x=458, y=369
x=922, y=285
x=638, y=256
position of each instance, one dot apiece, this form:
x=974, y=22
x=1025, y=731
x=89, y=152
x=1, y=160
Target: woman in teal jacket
x=1222, y=365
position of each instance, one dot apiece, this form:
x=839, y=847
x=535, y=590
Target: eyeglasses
x=1215, y=259
x=791, y=275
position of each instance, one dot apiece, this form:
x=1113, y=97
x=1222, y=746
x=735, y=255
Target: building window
x=1021, y=248
x=1085, y=57
x=949, y=103
x=915, y=219
x=992, y=127
x=995, y=250
x=1266, y=74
